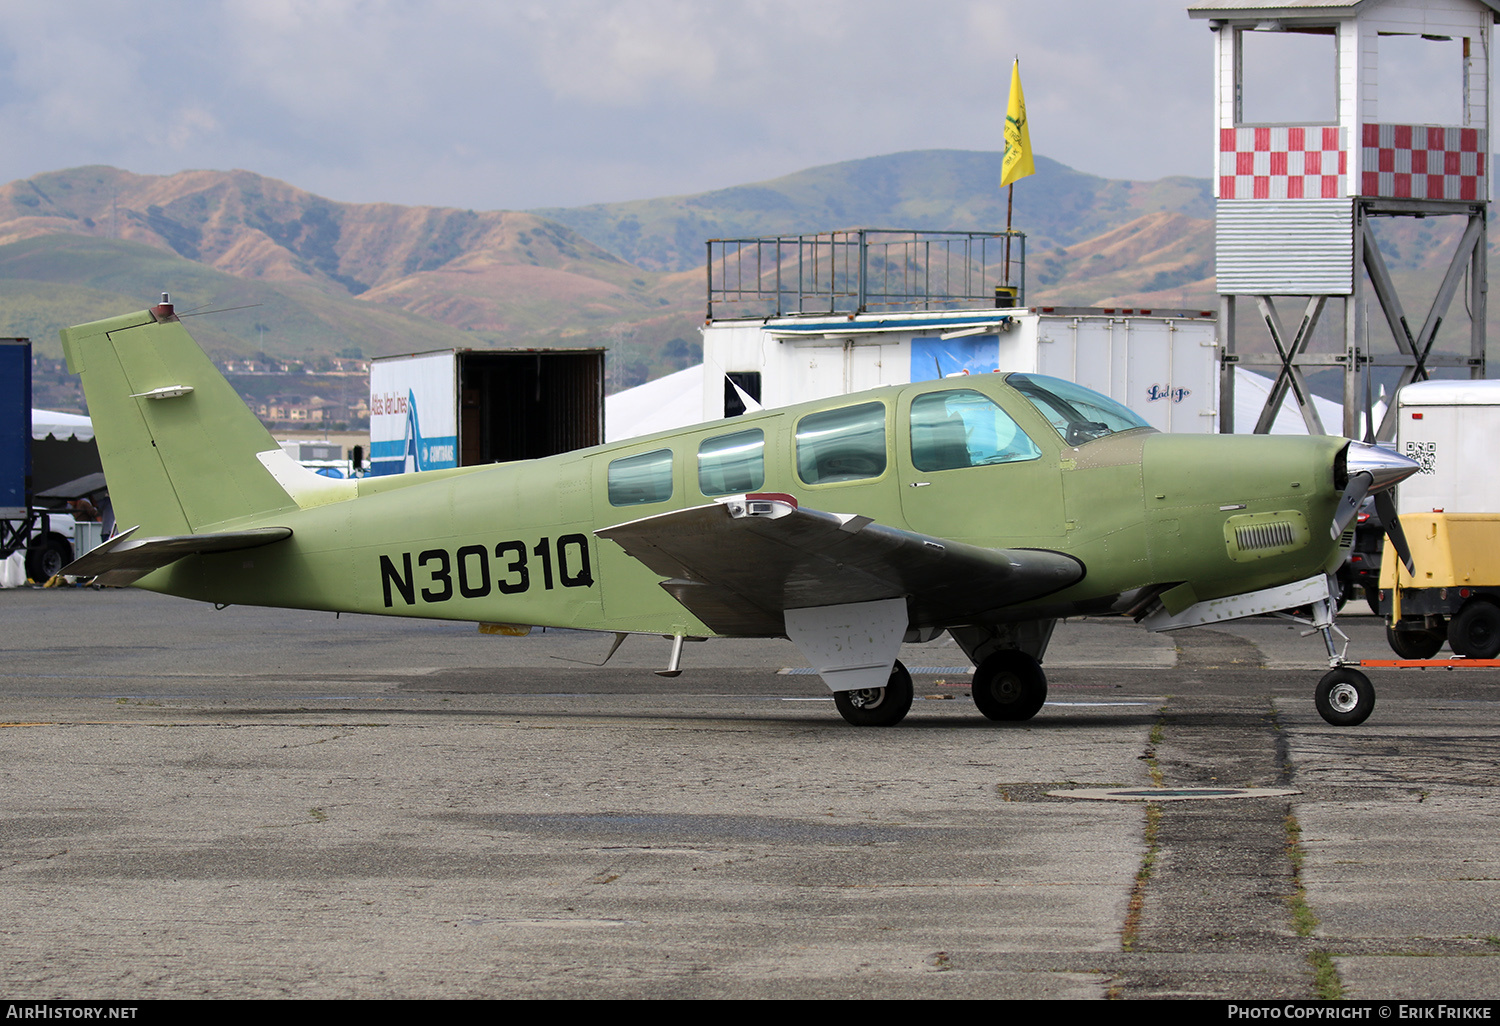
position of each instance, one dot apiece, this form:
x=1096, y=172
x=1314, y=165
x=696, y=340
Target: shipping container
x=463, y=407
x=15, y=428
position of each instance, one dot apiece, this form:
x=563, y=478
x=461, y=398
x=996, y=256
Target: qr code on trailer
x=1424, y=453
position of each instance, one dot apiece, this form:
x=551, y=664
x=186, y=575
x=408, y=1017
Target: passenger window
x=732, y=463
x=635, y=480
x=842, y=445
x=963, y=428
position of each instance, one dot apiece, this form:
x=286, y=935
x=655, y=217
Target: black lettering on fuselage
x=516, y=567
x=568, y=556
x=442, y=575
x=545, y=555
x=584, y=577
x=402, y=581
x=479, y=585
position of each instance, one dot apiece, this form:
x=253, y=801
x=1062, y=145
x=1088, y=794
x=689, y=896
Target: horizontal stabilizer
x=124, y=560
x=738, y=564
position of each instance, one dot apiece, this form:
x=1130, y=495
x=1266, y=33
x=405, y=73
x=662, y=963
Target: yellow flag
x=1017, y=162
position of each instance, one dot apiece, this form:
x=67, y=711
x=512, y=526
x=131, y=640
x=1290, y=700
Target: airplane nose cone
x=1385, y=468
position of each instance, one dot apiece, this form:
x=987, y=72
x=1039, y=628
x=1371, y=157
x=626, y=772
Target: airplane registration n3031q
x=988, y=507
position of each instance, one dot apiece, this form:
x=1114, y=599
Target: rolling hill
x=300, y=276
x=931, y=189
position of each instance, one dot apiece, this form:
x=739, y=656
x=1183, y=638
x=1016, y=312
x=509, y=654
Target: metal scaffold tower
x=1296, y=202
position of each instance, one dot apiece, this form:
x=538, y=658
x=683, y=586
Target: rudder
x=177, y=443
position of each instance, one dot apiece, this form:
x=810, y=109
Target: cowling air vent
x=1253, y=536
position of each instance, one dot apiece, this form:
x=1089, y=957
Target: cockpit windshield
x=1079, y=414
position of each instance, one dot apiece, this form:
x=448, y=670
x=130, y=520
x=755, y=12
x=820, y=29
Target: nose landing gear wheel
x=1345, y=697
x=1010, y=685
x=877, y=707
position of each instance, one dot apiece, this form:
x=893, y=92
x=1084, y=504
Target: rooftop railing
x=863, y=270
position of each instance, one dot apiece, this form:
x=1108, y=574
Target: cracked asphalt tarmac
x=258, y=803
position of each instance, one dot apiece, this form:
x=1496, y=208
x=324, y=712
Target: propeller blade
x=1354, y=494
x=1385, y=505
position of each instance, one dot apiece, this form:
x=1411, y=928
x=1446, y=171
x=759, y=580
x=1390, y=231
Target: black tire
x=46, y=556
x=1420, y=644
x=1475, y=631
x=1345, y=697
x=877, y=707
x=1372, y=596
x=1010, y=685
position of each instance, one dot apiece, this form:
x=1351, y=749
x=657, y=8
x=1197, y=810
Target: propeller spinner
x=1369, y=468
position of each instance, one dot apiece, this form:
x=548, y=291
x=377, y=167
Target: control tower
x=1295, y=200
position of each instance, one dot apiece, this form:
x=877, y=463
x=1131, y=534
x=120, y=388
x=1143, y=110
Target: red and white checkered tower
x=1295, y=201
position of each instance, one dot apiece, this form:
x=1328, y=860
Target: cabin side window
x=732, y=463
x=636, y=480
x=964, y=428
x=847, y=444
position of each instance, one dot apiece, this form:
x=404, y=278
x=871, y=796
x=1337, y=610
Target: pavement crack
x=1219, y=877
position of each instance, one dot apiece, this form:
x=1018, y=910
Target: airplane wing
x=737, y=564
x=124, y=560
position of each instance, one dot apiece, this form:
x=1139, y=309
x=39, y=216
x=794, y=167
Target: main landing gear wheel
x=877, y=707
x=1010, y=685
x=1345, y=697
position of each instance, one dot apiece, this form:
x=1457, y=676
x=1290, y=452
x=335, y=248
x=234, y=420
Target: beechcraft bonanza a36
x=988, y=506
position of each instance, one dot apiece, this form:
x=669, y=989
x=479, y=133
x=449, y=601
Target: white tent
x=671, y=402
x=1250, y=393
x=61, y=426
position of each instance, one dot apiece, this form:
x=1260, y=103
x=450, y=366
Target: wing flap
x=125, y=559
x=738, y=564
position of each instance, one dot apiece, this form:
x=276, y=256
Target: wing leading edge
x=739, y=563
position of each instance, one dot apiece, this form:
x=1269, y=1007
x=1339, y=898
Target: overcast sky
x=492, y=104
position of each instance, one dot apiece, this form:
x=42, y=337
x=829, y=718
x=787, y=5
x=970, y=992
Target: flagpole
x=1017, y=161
x=1010, y=196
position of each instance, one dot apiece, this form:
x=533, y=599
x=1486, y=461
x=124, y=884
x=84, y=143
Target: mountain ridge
x=312, y=276
x=379, y=277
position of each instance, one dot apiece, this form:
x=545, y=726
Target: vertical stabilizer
x=179, y=447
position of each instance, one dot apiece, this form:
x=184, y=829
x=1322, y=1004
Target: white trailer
x=1452, y=428
x=1450, y=514
x=1163, y=364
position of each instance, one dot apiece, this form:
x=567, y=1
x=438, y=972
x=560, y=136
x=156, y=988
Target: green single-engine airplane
x=986, y=506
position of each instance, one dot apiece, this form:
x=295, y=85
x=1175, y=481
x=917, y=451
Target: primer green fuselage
x=514, y=543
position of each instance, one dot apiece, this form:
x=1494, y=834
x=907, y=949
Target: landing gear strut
x=1345, y=696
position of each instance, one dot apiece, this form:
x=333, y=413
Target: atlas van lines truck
x=1450, y=513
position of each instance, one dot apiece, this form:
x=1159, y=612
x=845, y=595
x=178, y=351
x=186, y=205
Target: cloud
x=524, y=103
x=619, y=55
